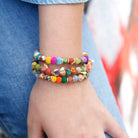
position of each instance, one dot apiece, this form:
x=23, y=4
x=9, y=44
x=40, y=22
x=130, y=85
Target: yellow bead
x=33, y=65
x=54, y=78
x=48, y=60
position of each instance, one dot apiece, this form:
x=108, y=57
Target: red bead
x=43, y=69
x=70, y=79
x=71, y=60
x=48, y=71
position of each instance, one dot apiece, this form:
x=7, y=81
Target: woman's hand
x=69, y=111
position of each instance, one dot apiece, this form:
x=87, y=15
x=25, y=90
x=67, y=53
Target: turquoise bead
x=68, y=72
x=59, y=60
x=37, y=57
x=76, y=78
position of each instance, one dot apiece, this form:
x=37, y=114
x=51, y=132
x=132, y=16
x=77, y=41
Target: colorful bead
x=77, y=61
x=42, y=76
x=83, y=68
x=70, y=79
x=42, y=58
x=73, y=70
x=71, y=60
x=43, y=69
x=48, y=60
x=64, y=79
x=65, y=60
x=68, y=72
x=53, y=60
x=55, y=72
x=33, y=65
x=45, y=65
x=48, y=71
x=37, y=67
x=59, y=79
x=84, y=59
x=37, y=57
x=53, y=78
x=62, y=72
x=78, y=70
x=75, y=78
x=87, y=59
x=36, y=53
x=59, y=60
x=88, y=68
x=84, y=74
x=48, y=77
x=81, y=60
x=81, y=77
x=90, y=64
x=85, y=54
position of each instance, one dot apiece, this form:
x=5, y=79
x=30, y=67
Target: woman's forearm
x=60, y=29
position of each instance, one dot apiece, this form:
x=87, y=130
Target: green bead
x=65, y=61
x=37, y=67
x=77, y=61
x=83, y=68
x=68, y=72
x=64, y=79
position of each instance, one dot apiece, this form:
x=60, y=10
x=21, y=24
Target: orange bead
x=59, y=79
x=73, y=70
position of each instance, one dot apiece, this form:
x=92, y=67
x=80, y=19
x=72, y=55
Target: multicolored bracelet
x=58, y=60
x=62, y=71
x=61, y=75
x=64, y=79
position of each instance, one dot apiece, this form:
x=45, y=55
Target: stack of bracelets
x=61, y=75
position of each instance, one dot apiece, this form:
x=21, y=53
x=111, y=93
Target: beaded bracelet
x=62, y=72
x=61, y=75
x=58, y=79
x=59, y=60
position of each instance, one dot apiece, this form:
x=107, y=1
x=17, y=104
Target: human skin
x=66, y=110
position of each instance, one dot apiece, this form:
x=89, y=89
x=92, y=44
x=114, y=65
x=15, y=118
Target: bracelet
x=58, y=60
x=61, y=75
x=62, y=71
x=59, y=79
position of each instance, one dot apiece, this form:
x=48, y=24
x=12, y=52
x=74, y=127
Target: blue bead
x=38, y=56
x=76, y=78
x=59, y=60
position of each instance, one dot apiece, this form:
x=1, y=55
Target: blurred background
x=115, y=29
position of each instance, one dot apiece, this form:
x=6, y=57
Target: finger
x=113, y=128
x=35, y=131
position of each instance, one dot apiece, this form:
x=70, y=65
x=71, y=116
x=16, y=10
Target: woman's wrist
x=61, y=30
